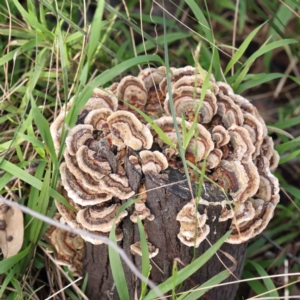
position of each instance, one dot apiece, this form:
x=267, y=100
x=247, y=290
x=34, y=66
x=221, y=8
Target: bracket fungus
x=229, y=135
x=68, y=247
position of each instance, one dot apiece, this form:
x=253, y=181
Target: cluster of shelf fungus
x=230, y=135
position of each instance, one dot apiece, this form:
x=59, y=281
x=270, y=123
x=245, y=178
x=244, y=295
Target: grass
x=47, y=57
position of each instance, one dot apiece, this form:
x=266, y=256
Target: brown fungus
x=193, y=229
x=79, y=193
x=136, y=249
x=125, y=125
x=226, y=131
x=68, y=247
x=100, y=217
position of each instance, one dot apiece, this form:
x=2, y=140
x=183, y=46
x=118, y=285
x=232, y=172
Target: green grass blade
x=267, y=281
x=44, y=130
x=33, y=21
x=95, y=30
x=12, y=54
x=115, y=260
x=32, y=199
x=194, y=295
x=241, y=50
x=286, y=123
x=7, y=280
x=181, y=150
x=289, y=157
x=187, y=271
x=288, y=145
x=129, y=23
x=41, y=206
x=7, y=263
x=26, y=177
x=174, y=276
x=202, y=20
x=256, y=80
x=145, y=257
x=255, y=285
x=37, y=144
x=264, y=49
x=62, y=15
x=64, y=63
x=292, y=190
x=117, y=269
x=206, y=28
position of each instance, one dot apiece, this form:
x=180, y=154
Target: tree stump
x=165, y=198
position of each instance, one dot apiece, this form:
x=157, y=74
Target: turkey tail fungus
x=112, y=155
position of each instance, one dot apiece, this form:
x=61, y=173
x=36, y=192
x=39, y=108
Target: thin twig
x=58, y=292
x=288, y=254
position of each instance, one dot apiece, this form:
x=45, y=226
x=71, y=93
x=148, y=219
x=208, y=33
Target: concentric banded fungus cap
x=248, y=229
x=136, y=249
x=98, y=119
x=153, y=161
x=77, y=137
x=11, y=230
x=117, y=186
x=100, y=217
x=68, y=247
x=126, y=125
x=193, y=229
x=132, y=91
x=228, y=133
x=79, y=193
x=152, y=78
x=92, y=162
x=85, y=178
x=187, y=101
x=220, y=136
x=102, y=99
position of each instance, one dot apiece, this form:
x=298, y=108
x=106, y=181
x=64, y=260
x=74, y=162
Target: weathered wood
x=165, y=200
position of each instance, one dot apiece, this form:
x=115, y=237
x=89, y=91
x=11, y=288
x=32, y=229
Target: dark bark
x=165, y=201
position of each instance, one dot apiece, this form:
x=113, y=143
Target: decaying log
x=167, y=193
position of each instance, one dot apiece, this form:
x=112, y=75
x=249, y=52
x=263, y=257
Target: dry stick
x=58, y=292
x=243, y=280
x=282, y=81
x=286, y=279
x=295, y=13
x=288, y=254
x=60, y=285
x=106, y=240
x=273, y=290
x=76, y=288
x=292, y=201
x=282, y=297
